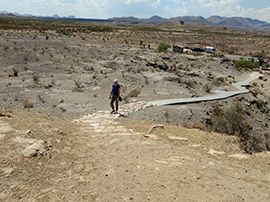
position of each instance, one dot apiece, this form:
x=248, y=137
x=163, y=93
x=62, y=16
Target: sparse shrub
x=231, y=121
x=63, y=109
x=207, y=88
x=41, y=99
x=190, y=83
x=195, y=54
x=15, y=72
x=255, y=92
x=259, y=103
x=163, y=47
x=258, y=55
x=79, y=86
x=217, y=55
x=133, y=93
x=36, y=78
x=166, y=115
x=27, y=103
x=231, y=52
x=246, y=64
x=219, y=81
x=146, y=80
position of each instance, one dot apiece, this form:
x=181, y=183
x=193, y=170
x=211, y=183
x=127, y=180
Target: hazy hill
x=237, y=23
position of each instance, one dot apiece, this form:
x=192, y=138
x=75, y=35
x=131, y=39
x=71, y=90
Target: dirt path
x=171, y=164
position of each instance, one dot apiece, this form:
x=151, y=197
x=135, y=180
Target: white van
x=210, y=49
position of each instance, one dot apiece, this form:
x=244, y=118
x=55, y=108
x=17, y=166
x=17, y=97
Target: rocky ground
x=96, y=158
x=60, y=143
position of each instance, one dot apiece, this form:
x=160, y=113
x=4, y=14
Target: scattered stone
x=29, y=153
x=152, y=128
x=239, y=156
x=155, y=137
x=24, y=142
x=178, y=138
x=5, y=128
x=8, y=171
x=213, y=152
x=2, y=136
x=38, y=146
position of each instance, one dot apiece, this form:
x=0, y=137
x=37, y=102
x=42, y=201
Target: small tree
x=182, y=22
x=163, y=47
x=246, y=64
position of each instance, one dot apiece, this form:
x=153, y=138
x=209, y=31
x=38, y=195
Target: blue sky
x=258, y=9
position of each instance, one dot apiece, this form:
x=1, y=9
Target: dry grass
x=133, y=93
x=27, y=103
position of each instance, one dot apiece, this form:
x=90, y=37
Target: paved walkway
x=219, y=94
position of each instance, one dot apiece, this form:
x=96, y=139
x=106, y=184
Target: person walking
x=114, y=96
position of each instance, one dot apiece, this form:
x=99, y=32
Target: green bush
x=217, y=55
x=163, y=47
x=195, y=54
x=231, y=51
x=258, y=55
x=246, y=64
x=231, y=121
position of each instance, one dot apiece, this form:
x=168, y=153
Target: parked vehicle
x=197, y=49
x=260, y=59
x=210, y=49
x=251, y=59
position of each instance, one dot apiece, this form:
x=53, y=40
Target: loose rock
x=152, y=128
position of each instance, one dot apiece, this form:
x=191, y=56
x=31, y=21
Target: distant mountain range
x=30, y=15
x=237, y=23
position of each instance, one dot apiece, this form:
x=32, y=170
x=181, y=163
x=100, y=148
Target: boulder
x=32, y=147
x=24, y=142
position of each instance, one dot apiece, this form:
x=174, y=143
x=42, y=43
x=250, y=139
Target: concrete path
x=219, y=94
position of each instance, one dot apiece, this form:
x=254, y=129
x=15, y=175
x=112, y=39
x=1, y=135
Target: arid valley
x=59, y=142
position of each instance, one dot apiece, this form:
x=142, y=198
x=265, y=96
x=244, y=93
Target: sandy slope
x=96, y=158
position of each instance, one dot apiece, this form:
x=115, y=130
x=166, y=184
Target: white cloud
x=136, y=1
x=232, y=8
x=156, y=4
x=262, y=14
x=140, y=8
